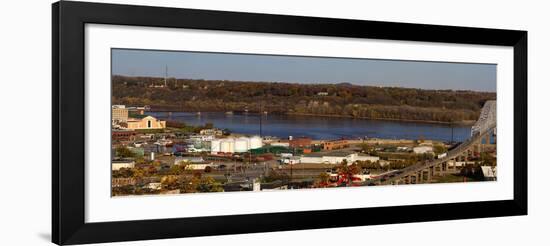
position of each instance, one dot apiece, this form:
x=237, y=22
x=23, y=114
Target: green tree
x=209, y=184
x=123, y=152
x=138, y=173
x=439, y=149
x=274, y=175
x=323, y=177
x=364, y=147
x=177, y=169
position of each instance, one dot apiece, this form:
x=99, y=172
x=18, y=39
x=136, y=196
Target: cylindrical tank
x=255, y=142
x=227, y=145
x=215, y=146
x=241, y=144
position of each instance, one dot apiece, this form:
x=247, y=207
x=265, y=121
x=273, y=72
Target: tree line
x=342, y=99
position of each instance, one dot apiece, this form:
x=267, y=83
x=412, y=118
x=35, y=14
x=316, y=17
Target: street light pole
x=261, y=116
x=452, y=132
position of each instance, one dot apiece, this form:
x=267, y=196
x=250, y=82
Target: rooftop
x=189, y=159
x=340, y=153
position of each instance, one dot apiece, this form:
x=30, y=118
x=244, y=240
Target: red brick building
x=335, y=144
x=123, y=135
x=300, y=142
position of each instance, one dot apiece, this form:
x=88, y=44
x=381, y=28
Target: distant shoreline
x=461, y=123
x=464, y=122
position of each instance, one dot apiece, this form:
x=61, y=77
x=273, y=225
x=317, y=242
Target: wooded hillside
x=343, y=100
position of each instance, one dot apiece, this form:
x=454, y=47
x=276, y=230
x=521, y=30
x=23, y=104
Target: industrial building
x=235, y=145
x=123, y=135
x=336, y=157
x=335, y=144
x=280, y=144
x=270, y=149
x=299, y=142
x=147, y=122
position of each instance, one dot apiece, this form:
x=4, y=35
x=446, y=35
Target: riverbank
x=462, y=123
x=459, y=123
x=283, y=126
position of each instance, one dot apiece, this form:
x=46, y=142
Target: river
x=320, y=127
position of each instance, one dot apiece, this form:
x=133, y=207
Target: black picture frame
x=68, y=107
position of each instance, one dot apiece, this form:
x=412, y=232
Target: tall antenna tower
x=165, y=75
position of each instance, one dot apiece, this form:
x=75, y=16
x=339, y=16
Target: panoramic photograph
x=199, y=122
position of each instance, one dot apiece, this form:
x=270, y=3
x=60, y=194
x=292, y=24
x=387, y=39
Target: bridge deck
x=450, y=155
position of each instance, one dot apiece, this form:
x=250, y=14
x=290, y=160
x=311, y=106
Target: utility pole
x=452, y=133
x=261, y=116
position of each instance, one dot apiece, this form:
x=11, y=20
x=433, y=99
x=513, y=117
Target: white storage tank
x=215, y=146
x=227, y=145
x=241, y=144
x=255, y=142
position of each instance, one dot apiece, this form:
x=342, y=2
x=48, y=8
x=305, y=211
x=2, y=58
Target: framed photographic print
x=177, y=123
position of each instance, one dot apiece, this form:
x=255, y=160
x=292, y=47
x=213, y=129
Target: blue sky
x=296, y=69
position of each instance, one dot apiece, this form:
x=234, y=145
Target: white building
x=423, y=149
x=117, y=165
x=336, y=158
x=489, y=173
x=202, y=137
x=280, y=144
x=154, y=186
x=187, y=159
x=199, y=166
x=460, y=163
x=291, y=160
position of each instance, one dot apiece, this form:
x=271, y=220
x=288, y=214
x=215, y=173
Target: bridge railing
x=486, y=118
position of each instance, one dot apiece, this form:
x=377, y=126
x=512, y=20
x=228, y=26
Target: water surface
x=320, y=127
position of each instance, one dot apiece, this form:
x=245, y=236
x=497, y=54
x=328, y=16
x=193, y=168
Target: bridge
x=421, y=172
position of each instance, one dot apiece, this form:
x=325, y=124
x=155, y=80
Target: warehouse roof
x=340, y=153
